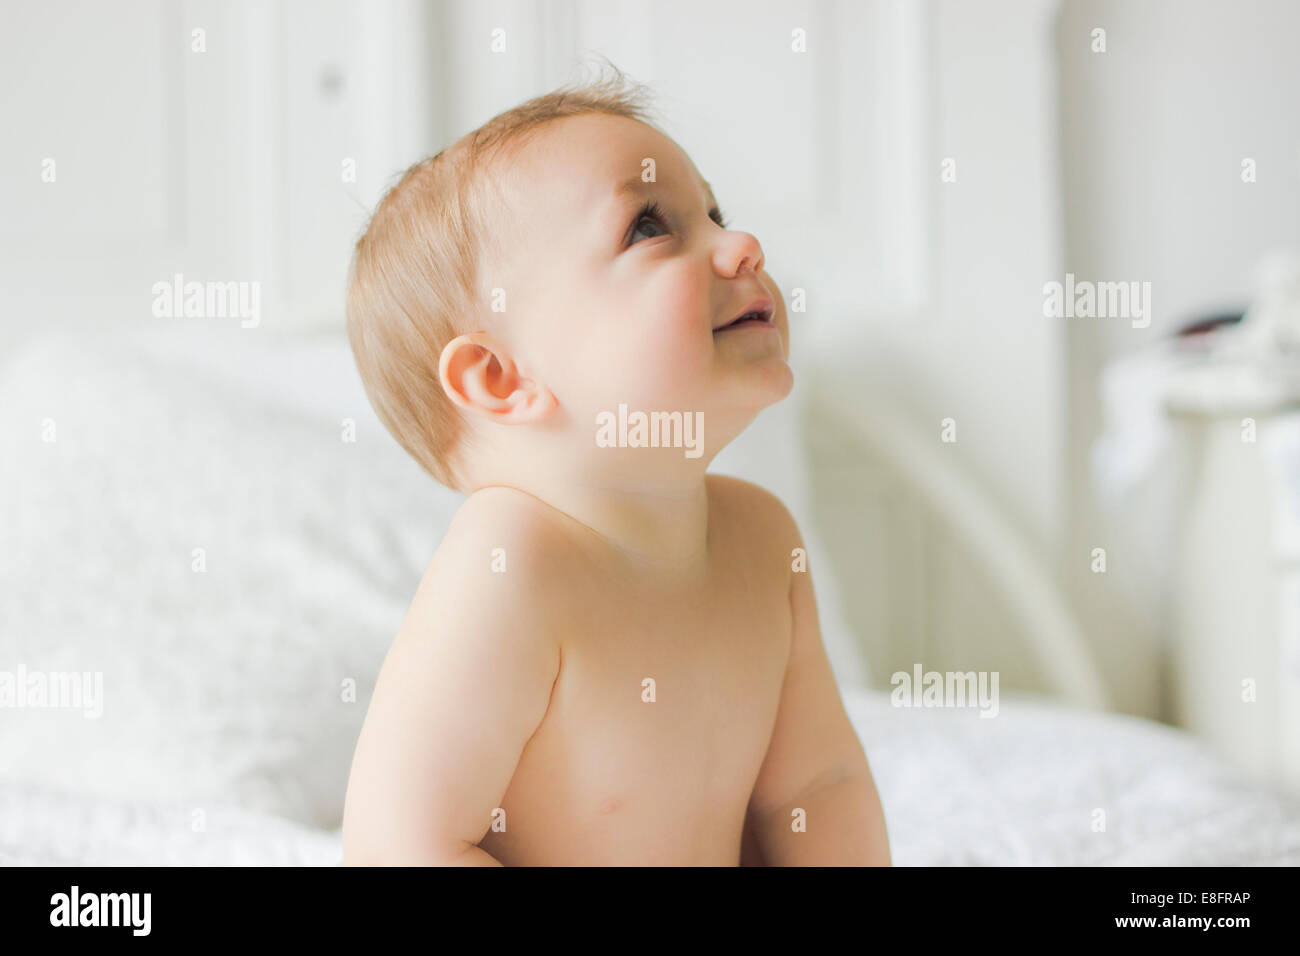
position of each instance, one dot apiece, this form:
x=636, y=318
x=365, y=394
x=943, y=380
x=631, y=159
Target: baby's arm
x=814, y=761
x=464, y=686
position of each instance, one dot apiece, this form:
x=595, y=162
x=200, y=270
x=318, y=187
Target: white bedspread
x=1025, y=787
x=1021, y=788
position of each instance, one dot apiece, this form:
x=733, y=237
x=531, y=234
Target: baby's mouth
x=758, y=313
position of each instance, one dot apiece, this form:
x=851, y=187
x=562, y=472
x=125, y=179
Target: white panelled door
x=225, y=142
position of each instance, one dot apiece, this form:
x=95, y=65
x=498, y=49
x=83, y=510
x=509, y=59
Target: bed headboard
x=932, y=573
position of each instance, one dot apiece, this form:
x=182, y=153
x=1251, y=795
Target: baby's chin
x=777, y=384
x=759, y=383
x=739, y=400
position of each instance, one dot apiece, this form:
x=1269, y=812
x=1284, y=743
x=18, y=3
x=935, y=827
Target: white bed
x=959, y=790
x=229, y=717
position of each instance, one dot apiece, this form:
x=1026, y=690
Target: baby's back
x=548, y=703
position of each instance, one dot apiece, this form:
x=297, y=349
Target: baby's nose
x=735, y=251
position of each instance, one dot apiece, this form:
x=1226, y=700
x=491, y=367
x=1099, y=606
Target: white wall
x=223, y=164
x=983, y=355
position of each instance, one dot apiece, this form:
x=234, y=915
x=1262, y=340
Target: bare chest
x=657, y=726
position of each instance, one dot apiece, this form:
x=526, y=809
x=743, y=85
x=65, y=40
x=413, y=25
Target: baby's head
x=561, y=261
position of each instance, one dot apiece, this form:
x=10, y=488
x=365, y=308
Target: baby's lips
x=778, y=300
x=779, y=317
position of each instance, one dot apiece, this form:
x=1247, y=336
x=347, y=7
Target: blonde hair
x=412, y=285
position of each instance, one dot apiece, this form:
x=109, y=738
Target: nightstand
x=1234, y=654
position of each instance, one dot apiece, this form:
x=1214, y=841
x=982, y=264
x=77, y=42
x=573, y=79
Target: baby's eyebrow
x=635, y=185
x=631, y=186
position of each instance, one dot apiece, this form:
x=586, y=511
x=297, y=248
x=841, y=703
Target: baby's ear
x=481, y=377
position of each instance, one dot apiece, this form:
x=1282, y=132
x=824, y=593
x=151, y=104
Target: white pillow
x=220, y=686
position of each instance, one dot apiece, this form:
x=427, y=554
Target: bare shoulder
x=502, y=511
x=493, y=578
x=500, y=531
x=753, y=507
x=475, y=659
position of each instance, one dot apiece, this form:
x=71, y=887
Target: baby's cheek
x=627, y=365
x=668, y=366
x=685, y=308
x=673, y=343
x=688, y=353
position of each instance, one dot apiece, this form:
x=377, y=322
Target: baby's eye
x=650, y=217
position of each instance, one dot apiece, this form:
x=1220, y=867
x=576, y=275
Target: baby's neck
x=656, y=526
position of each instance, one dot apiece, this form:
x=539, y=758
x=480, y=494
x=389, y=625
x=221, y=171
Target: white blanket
x=1023, y=788
x=1042, y=784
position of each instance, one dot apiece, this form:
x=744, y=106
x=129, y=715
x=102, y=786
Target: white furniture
x=1235, y=651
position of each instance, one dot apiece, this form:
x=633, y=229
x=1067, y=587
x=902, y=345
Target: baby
x=613, y=657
